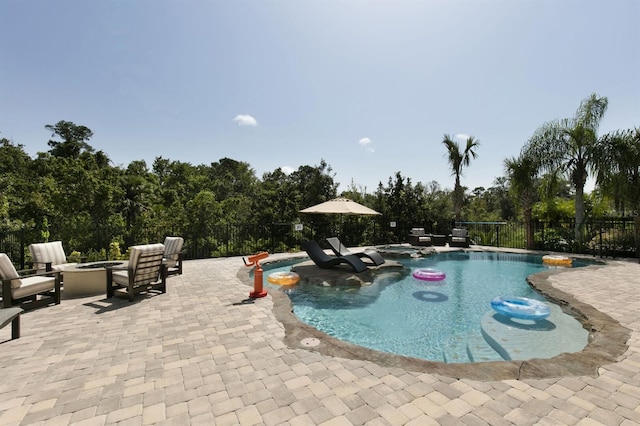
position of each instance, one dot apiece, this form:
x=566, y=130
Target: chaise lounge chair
x=340, y=250
x=323, y=260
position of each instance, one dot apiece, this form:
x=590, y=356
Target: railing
x=610, y=237
x=604, y=237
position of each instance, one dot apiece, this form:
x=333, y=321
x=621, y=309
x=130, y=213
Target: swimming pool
x=443, y=322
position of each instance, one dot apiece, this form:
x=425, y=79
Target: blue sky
x=371, y=87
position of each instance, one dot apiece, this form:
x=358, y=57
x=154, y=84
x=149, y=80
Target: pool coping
x=607, y=338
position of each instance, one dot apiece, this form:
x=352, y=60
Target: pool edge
x=607, y=339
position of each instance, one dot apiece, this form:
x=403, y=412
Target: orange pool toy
x=556, y=260
x=283, y=278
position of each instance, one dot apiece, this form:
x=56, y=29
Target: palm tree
x=523, y=173
x=618, y=157
x=458, y=160
x=569, y=146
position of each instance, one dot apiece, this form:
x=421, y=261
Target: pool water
x=436, y=321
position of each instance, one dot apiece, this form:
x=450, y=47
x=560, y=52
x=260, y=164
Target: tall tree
x=74, y=139
x=457, y=161
x=522, y=173
x=569, y=146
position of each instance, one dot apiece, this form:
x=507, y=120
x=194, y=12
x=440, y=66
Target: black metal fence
x=603, y=237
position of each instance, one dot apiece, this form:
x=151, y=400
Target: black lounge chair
x=323, y=260
x=340, y=250
x=459, y=237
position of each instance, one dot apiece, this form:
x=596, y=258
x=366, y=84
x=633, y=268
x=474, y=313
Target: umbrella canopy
x=340, y=206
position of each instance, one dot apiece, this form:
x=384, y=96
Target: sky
x=370, y=87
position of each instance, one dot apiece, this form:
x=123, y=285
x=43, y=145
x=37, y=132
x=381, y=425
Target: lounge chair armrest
x=180, y=255
x=26, y=273
x=29, y=271
x=117, y=267
x=47, y=265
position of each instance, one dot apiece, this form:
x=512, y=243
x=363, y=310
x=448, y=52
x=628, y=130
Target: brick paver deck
x=200, y=354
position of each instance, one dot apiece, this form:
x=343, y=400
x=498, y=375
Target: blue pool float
x=520, y=307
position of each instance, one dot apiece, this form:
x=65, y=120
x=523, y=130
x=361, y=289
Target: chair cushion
x=120, y=277
x=172, y=248
x=417, y=232
x=33, y=285
x=134, y=252
x=48, y=252
x=149, y=274
x=457, y=232
x=8, y=271
x=62, y=267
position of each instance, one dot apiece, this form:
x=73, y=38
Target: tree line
x=74, y=193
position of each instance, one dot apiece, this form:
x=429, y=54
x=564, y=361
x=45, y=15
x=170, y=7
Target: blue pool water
x=418, y=318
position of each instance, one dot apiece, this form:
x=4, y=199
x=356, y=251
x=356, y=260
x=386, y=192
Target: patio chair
x=323, y=260
x=27, y=289
x=11, y=315
x=459, y=237
x=341, y=250
x=417, y=237
x=49, y=257
x=172, y=258
x=144, y=272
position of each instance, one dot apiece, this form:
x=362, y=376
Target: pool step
x=455, y=350
x=479, y=350
x=461, y=349
x=517, y=339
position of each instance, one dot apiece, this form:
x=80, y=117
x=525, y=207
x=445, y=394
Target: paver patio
x=202, y=354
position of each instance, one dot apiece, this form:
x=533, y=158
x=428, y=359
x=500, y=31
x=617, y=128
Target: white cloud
x=462, y=137
x=245, y=120
x=366, y=144
x=287, y=170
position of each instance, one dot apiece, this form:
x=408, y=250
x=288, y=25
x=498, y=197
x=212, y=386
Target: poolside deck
x=202, y=354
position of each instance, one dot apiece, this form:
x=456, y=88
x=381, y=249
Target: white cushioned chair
x=173, y=255
x=27, y=289
x=144, y=272
x=49, y=257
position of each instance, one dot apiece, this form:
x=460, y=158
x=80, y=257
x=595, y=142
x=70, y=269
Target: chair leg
x=163, y=273
x=109, y=283
x=15, y=328
x=57, y=290
x=130, y=288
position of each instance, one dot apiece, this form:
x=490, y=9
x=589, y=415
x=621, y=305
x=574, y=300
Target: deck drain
x=310, y=342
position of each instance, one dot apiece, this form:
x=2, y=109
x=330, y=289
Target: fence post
x=497, y=236
x=600, y=248
x=273, y=238
x=636, y=231
x=22, y=243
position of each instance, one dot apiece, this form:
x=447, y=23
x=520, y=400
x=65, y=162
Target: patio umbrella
x=340, y=206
